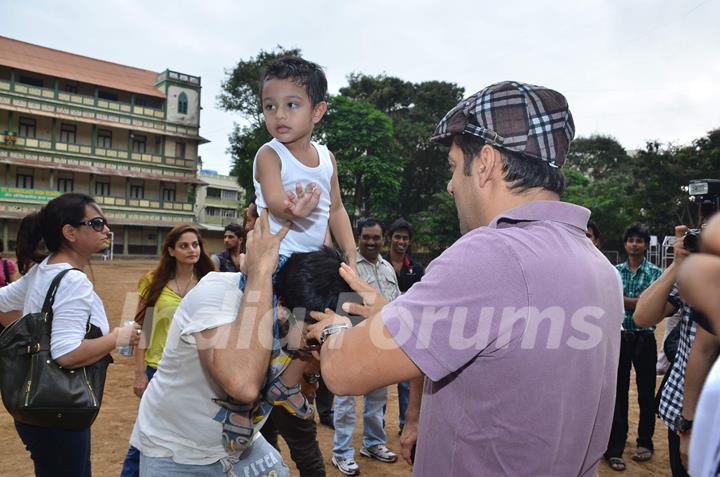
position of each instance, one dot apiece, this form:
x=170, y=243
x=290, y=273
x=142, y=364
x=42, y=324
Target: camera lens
x=691, y=240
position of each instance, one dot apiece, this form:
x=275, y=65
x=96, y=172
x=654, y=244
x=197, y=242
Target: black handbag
x=35, y=389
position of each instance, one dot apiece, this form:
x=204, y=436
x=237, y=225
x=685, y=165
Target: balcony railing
x=89, y=107
x=123, y=154
x=145, y=204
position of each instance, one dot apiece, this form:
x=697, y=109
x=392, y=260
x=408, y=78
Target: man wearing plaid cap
x=515, y=327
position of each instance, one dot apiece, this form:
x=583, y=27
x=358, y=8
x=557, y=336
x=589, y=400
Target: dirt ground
x=115, y=284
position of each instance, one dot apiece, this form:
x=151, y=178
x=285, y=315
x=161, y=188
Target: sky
x=639, y=71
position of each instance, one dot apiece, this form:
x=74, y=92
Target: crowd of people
x=512, y=352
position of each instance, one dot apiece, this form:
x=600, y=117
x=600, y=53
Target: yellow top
x=160, y=316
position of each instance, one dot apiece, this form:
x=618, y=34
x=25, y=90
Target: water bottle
x=126, y=350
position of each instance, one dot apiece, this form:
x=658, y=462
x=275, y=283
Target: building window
x=29, y=80
x=158, y=145
x=180, y=149
x=139, y=144
x=102, y=189
x=107, y=95
x=212, y=211
x=213, y=193
x=68, y=133
x=228, y=213
x=71, y=88
x=137, y=191
x=27, y=127
x=64, y=184
x=182, y=103
x=229, y=194
x=169, y=195
x=24, y=181
x=104, y=138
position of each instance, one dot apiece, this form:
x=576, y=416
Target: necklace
x=187, y=285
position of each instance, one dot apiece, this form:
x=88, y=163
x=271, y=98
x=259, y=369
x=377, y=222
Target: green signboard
x=27, y=195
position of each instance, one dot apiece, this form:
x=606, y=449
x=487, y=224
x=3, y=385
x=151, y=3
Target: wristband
x=331, y=330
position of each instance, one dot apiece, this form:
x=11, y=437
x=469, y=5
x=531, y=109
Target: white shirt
x=176, y=411
x=75, y=301
x=306, y=234
x=705, y=437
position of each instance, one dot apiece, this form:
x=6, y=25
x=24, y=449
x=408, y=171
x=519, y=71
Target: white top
x=705, y=437
x=75, y=300
x=307, y=234
x=176, y=411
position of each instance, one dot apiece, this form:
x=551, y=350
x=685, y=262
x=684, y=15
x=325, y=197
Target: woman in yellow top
x=182, y=264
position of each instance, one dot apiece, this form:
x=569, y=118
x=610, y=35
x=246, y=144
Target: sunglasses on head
x=98, y=224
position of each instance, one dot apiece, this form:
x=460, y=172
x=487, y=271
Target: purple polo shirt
x=516, y=327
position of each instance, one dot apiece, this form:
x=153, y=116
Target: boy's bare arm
x=267, y=174
x=339, y=221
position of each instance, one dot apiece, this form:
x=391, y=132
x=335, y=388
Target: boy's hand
x=302, y=202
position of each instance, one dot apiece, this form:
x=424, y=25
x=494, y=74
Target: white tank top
x=307, y=234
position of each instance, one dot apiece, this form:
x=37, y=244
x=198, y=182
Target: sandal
x=237, y=425
x=290, y=398
x=616, y=464
x=642, y=454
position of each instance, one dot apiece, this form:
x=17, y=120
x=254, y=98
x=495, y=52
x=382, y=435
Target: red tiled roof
x=61, y=64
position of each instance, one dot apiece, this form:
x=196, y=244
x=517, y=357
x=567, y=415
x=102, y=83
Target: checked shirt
x=634, y=284
x=671, y=398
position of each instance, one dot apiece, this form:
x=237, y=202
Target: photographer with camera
x=698, y=281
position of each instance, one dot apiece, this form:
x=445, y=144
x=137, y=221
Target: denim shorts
x=260, y=460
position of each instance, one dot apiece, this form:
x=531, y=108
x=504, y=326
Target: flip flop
x=642, y=454
x=616, y=464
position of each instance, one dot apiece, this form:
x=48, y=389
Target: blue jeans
x=56, y=452
x=373, y=431
x=131, y=465
x=260, y=460
x=403, y=399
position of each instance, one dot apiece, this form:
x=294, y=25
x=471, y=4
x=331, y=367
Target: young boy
x=296, y=179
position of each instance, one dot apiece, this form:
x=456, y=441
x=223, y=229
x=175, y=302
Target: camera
x=691, y=240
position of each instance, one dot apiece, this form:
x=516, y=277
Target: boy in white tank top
x=296, y=179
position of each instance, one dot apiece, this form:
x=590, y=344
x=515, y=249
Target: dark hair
x=311, y=281
x=46, y=225
x=400, y=224
x=165, y=271
x=302, y=72
x=237, y=229
x=596, y=230
x=369, y=222
x=637, y=230
x=521, y=172
x=2, y=247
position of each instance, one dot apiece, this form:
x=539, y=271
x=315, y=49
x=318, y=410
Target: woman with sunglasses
x=73, y=228
x=182, y=264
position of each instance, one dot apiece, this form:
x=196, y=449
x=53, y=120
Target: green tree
x=362, y=139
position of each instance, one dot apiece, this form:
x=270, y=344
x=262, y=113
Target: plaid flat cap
x=532, y=120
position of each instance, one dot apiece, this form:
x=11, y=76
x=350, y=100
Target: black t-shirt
x=410, y=273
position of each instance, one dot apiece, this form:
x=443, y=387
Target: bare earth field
x=111, y=431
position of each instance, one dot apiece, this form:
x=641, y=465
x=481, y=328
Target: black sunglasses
x=98, y=224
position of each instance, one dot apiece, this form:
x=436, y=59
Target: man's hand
x=302, y=202
x=679, y=251
x=262, y=246
x=140, y=384
x=373, y=301
x=408, y=439
x=324, y=319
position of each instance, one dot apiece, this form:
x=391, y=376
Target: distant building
x=127, y=136
x=218, y=205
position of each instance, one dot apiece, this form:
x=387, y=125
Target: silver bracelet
x=331, y=330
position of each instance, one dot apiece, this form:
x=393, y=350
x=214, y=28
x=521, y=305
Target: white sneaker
x=346, y=466
x=379, y=452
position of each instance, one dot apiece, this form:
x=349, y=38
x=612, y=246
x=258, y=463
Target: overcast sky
x=636, y=70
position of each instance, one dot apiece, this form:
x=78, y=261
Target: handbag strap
x=50, y=297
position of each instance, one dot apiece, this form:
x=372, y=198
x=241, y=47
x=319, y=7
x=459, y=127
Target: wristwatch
x=683, y=425
x=311, y=378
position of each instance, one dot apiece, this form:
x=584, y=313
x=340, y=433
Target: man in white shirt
x=210, y=354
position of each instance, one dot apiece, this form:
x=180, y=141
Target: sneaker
x=346, y=466
x=379, y=452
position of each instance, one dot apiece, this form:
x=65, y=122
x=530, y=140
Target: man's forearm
x=415, y=399
x=240, y=363
x=703, y=353
x=652, y=303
